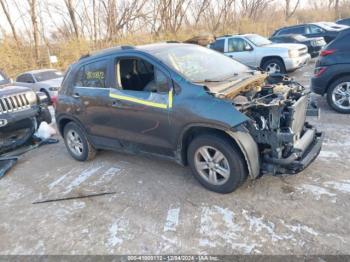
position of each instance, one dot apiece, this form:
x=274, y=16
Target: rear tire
x=221, y=158
x=274, y=64
x=339, y=89
x=77, y=143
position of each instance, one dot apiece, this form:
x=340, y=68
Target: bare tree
x=71, y=10
x=34, y=19
x=9, y=20
x=289, y=12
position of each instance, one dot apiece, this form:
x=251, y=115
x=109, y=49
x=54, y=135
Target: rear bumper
x=295, y=63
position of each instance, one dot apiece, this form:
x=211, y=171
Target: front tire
x=274, y=66
x=216, y=163
x=338, y=95
x=77, y=143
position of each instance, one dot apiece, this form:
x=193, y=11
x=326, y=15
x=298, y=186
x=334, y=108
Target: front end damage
x=277, y=107
x=21, y=112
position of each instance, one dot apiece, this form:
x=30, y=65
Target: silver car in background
x=259, y=52
x=43, y=80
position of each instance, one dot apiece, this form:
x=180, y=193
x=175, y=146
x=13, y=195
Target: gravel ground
x=159, y=208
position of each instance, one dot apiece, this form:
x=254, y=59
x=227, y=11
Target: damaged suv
x=191, y=104
x=21, y=112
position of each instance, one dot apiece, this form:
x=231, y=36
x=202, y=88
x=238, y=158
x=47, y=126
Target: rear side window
x=218, y=45
x=93, y=75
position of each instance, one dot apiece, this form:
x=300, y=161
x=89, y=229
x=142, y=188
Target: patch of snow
x=342, y=187
x=217, y=227
x=328, y=154
x=258, y=224
x=45, y=131
x=172, y=219
x=82, y=177
x=316, y=191
x=117, y=233
x=298, y=228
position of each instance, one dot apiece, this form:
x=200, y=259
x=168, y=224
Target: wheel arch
x=335, y=78
x=64, y=120
x=267, y=58
x=242, y=140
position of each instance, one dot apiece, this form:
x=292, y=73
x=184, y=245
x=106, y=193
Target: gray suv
x=190, y=104
x=256, y=51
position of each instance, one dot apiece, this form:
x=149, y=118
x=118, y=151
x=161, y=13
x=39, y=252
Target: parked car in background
x=345, y=21
x=332, y=73
x=190, y=104
x=21, y=112
x=43, y=80
x=327, y=30
x=256, y=51
x=314, y=44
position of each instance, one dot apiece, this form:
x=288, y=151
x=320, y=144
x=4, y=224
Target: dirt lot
x=159, y=208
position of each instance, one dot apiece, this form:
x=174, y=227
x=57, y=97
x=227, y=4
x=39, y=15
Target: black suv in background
x=332, y=73
x=345, y=21
x=327, y=30
x=314, y=44
x=191, y=104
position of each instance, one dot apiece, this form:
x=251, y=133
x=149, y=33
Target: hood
x=285, y=45
x=244, y=82
x=56, y=82
x=12, y=90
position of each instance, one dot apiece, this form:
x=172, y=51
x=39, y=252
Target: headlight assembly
x=293, y=53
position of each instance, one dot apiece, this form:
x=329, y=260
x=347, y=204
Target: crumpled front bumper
x=305, y=151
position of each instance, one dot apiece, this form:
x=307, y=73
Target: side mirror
x=248, y=48
x=161, y=81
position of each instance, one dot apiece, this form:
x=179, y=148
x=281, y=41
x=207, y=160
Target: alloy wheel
x=273, y=68
x=341, y=96
x=212, y=165
x=75, y=142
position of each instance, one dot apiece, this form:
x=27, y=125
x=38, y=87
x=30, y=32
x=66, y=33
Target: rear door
x=240, y=50
x=91, y=95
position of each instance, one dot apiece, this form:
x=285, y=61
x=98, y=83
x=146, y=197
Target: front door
x=142, y=103
x=240, y=50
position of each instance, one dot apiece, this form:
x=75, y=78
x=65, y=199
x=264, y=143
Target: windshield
x=199, y=64
x=258, y=40
x=47, y=75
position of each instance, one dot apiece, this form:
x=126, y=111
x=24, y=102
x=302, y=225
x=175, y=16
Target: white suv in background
x=256, y=51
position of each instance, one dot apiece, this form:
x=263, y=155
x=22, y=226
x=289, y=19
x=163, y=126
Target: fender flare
x=249, y=149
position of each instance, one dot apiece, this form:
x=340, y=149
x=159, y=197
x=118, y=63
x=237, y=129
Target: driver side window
x=137, y=74
x=238, y=45
x=313, y=29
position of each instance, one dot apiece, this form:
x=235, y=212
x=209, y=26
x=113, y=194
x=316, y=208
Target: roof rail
x=172, y=42
x=224, y=35
x=125, y=47
x=84, y=56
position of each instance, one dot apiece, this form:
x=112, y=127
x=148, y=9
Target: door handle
x=76, y=95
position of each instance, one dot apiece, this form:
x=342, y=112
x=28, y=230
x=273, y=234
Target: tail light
x=319, y=71
x=327, y=52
